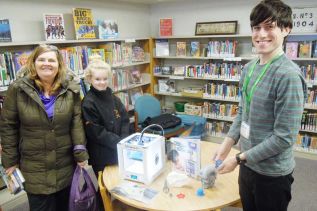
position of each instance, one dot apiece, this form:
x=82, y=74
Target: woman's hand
x=82, y=164
x=10, y=170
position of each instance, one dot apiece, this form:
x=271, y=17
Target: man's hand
x=224, y=149
x=228, y=165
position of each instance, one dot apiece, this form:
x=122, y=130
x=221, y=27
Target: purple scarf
x=48, y=104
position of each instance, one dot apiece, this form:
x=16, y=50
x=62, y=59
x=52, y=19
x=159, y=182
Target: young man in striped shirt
x=273, y=95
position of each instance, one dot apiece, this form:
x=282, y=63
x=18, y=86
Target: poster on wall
x=166, y=27
x=304, y=20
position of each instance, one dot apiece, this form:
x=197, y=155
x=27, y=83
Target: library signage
x=304, y=19
x=215, y=28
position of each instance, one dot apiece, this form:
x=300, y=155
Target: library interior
x=158, y=105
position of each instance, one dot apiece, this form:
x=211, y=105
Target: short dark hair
x=173, y=155
x=271, y=11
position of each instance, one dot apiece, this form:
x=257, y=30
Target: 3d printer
x=142, y=156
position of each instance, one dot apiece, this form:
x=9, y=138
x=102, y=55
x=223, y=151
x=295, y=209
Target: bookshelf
x=215, y=105
x=76, y=57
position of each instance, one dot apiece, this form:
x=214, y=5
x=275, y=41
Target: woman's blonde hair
x=61, y=73
x=96, y=64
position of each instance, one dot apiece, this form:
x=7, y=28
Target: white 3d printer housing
x=141, y=160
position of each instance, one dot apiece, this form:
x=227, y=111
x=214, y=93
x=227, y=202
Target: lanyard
x=248, y=97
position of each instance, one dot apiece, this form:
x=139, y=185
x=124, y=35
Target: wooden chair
x=105, y=195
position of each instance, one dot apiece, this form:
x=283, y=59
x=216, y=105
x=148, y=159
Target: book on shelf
x=5, y=31
x=180, y=48
x=84, y=23
x=107, y=29
x=20, y=59
x=166, y=27
x=306, y=143
x=124, y=97
x=195, y=48
x=135, y=76
x=185, y=155
x=97, y=51
x=314, y=51
x=113, y=55
x=120, y=79
x=134, y=94
x=291, y=50
x=54, y=27
x=14, y=181
x=180, y=71
x=161, y=47
x=166, y=85
x=138, y=54
x=305, y=48
x=126, y=51
x=84, y=88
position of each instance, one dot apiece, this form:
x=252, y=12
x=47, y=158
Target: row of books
x=76, y=58
x=223, y=90
x=128, y=98
x=217, y=128
x=54, y=26
x=309, y=121
x=222, y=70
x=14, y=181
x=306, y=143
x=123, y=78
x=220, y=110
x=310, y=72
x=220, y=49
x=125, y=99
x=312, y=97
x=117, y=54
x=301, y=49
x=207, y=70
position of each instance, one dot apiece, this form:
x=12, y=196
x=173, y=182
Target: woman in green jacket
x=42, y=131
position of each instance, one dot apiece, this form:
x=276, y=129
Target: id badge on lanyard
x=245, y=130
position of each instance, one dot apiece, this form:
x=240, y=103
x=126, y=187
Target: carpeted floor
x=304, y=188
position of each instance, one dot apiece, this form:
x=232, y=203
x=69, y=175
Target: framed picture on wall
x=214, y=28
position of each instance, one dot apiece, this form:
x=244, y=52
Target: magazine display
x=185, y=156
x=54, y=27
x=84, y=24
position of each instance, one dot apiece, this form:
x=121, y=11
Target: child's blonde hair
x=96, y=64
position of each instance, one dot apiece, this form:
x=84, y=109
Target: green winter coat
x=42, y=148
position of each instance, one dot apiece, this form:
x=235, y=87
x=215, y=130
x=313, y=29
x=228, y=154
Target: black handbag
x=165, y=120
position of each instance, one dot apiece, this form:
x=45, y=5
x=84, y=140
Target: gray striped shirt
x=274, y=118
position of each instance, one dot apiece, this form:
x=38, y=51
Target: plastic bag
x=82, y=198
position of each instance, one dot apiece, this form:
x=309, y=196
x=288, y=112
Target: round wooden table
x=224, y=193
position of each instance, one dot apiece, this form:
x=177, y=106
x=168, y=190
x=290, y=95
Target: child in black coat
x=105, y=118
